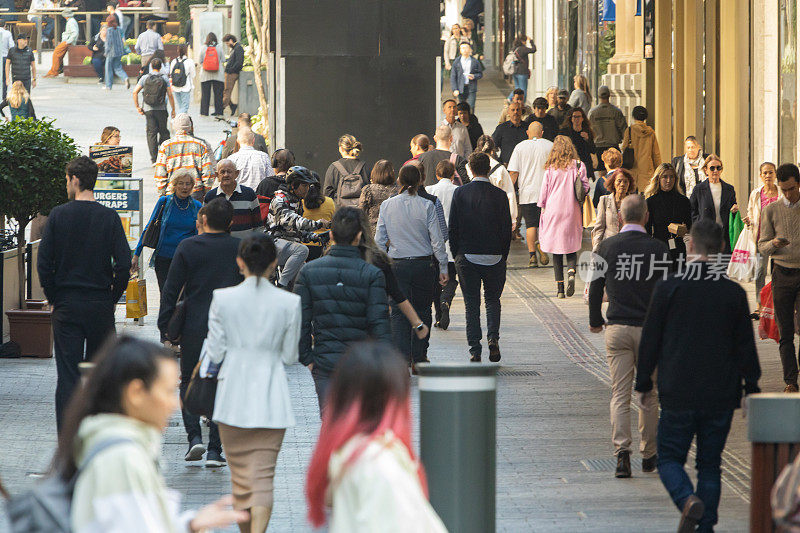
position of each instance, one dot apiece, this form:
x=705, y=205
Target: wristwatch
x=419, y=326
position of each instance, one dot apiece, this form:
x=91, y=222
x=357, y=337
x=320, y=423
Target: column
x=679, y=97
x=661, y=112
x=692, y=71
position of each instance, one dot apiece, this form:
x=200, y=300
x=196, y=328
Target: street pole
x=236, y=18
x=458, y=416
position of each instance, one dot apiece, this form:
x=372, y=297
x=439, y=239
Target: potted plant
x=33, y=155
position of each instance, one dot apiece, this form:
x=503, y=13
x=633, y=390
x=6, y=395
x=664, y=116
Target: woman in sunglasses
x=714, y=199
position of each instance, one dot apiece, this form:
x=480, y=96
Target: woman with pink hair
x=363, y=465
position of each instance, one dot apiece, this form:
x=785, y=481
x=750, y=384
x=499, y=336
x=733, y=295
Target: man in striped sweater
x=246, y=214
x=780, y=238
x=183, y=151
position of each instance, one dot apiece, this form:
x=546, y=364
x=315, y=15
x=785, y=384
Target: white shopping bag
x=744, y=260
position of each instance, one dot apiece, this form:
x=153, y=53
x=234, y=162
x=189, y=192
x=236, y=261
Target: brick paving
x=553, y=450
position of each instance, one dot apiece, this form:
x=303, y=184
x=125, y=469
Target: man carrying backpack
x=155, y=90
x=181, y=77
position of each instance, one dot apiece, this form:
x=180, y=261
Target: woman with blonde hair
x=111, y=136
x=341, y=178
x=619, y=184
x=612, y=159
x=580, y=97
x=552, y=97
x=714, y=198
x=561, y=224
x=451, y=48
x=669, y=210
x=19, y=101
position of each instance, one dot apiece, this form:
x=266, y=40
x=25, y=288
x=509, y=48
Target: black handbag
x=628, y=159
x=200, y=394
x=153, y=231
x=176, y=321
x=580, y=192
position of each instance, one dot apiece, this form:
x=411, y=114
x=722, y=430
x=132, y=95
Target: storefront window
x=787, y=69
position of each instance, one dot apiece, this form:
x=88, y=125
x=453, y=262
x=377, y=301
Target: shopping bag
x=588, y=212
x=201, y=393
x=785, y=497
x=735, y=227
x=136, y=298
x=744, y=260
x=767, y=325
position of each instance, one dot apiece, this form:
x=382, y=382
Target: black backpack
x=178, y=74
x=154, y=90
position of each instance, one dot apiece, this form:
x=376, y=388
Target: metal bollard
x=458, y=416
x=773, y=426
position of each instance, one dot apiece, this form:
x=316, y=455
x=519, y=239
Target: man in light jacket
x=464, y=76
x=68, y=38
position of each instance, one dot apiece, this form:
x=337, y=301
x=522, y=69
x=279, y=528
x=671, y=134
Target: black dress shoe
x=444, y=320
x=623, y=464
x=494, y=350
x=649, y=464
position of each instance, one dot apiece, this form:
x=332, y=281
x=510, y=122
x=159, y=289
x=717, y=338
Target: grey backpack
x=47, y=507
x=348, y=191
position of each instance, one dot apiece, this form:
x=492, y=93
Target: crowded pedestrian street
x=555, y=464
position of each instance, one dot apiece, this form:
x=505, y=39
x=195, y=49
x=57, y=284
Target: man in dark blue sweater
x=201, y=264
x=699, y=337
x=480, y=237
x=83, y=265
x=635, y=263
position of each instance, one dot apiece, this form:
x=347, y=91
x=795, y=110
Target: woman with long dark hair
x=253, y=332
x=113, y=433
x=212, y=75
x=579, y=130
x=363, y=464
x=382, y=186
x=409, y=230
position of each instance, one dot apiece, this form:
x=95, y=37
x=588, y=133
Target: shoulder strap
x=98, y=448
x=498, y=165
x=340, y=167
x=358, y=168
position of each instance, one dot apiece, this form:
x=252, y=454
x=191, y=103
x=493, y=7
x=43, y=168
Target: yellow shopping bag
x=136, y=298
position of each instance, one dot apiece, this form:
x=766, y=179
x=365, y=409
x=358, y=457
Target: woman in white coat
x=363, y=465
x=253, y=331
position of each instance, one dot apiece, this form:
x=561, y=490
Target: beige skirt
x=252, y=454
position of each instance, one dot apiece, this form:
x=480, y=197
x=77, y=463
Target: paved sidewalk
x=554, y=455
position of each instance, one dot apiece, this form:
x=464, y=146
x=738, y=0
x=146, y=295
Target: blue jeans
x=676, y=429
x=468, y=95
x=182, y=100
x=520, y=82
x=114, y=66
x=99, y=64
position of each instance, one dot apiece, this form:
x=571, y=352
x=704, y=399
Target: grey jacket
x=608, y=124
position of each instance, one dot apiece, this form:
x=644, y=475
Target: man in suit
x=688, y=167
x=201, y=264
x=714, y=199
x=343, y=301
x=704, y=367
x=464, y=76
x=480, y=237
x=628, y=298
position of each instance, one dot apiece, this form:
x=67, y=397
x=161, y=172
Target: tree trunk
x=21, y=266
x=256, y=26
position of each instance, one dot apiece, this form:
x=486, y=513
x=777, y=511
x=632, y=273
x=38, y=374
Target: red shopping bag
x=767, y=325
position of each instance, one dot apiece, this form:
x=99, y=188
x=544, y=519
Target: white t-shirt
x=716, y=194
x=528, y=159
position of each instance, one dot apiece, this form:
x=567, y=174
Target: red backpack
x=211, y=59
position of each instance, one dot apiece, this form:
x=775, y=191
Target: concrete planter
x=248, y=92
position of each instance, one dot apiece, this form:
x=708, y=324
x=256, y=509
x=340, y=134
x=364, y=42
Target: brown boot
x=543, y=259
x=693, y=511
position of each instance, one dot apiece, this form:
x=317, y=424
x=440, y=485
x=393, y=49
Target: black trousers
x=79, y=329
x=321, y=379
x=558, y=264
x=493, y=278
x=191, y=344
x=157, y=131
x=205, y=96
x=415, y=278
x=444, y=294
x=161, y=265
x=785, y=289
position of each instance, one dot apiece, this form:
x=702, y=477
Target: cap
x=182, y=122
x=67, y=13
x=563, y=93
x=603, y=92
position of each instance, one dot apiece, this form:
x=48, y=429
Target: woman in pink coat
x=561, y=226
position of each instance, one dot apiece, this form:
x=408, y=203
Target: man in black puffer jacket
x=344, y=301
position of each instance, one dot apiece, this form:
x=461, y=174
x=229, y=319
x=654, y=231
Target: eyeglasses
x=714, y=168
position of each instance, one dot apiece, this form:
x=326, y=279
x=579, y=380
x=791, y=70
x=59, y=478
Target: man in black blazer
x=705, y=207
x=629, y=295
x=480, y=237
x=201, y=264
x=704, y=367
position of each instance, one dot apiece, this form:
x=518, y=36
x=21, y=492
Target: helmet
x=298, y=175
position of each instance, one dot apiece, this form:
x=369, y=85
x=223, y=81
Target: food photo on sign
x=112, y=161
